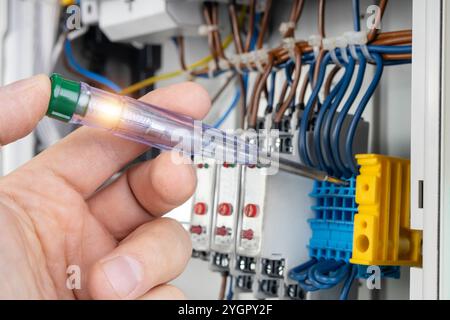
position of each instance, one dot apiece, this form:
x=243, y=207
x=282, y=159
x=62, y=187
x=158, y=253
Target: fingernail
x=123, y=273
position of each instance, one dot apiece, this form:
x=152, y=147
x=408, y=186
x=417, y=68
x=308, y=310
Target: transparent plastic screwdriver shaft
x=78, y=103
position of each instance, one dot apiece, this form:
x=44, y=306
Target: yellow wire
x=170, y=75
x=66, y=3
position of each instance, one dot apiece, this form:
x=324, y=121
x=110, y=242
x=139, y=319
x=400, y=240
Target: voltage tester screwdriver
x=78, y=103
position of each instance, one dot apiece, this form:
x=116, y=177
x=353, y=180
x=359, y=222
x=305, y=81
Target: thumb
x=22, y=105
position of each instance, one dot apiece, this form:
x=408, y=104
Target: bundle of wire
x=325, y=274
x=327, y=132
x=330, y=114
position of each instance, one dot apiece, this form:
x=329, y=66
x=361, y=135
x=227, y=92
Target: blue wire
x=356, y=19
x=318, y=126
x=311, y=76
x=230, y=289
x=258, y=17
x=325, y=267
x=298, y=273
x=86, y=73
x=303, y=128
x=396, y=62
x=350, y=69
x=288, y=72
x=307, y=286
x=348, y=283
x=359, y=111
x=233, y=104
x=324, y=274
x=390, y=49
x=335, y=136
x=336, y=277
x=271, y=101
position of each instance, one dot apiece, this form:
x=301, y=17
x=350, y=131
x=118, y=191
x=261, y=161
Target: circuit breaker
x=203, y=208
x=225, y=216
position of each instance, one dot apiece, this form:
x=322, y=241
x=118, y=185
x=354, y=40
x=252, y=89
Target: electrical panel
x=351, y=186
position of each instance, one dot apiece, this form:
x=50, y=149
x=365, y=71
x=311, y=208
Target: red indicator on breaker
x=196, y=230
x=200, y=208
x=225, y=209
x=221, y=231
x=251, y=210
x=247, y=234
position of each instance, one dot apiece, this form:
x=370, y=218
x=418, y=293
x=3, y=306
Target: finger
x=88, y=157
x=164, y=292
x=22, y=105
x=144, y=192
x=155, y=253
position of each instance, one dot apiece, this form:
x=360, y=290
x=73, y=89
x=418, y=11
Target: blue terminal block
x=332, y=226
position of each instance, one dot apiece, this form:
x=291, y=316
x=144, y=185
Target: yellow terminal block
x=382, y=234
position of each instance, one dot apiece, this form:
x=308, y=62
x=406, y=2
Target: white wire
x=59, y=45
x=77, y=33
x=57, y=51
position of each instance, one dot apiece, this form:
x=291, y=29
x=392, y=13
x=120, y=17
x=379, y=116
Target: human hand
x=53, y=215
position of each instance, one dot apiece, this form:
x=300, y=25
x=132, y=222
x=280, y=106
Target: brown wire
x=216, y=33
x=391, y=34
x=251, y=25
x=181, y=52
x=264, y=24
x=293, y=10
x=321, y=29
x=223, y=286
x=254, y=104
x=296, y=12
x=286, y=103
x=283, y=91
x=262, y=33
x=330, y=78
x=299, y=10
x=235, y=28
x=393, y=41
x=391, y=57
x=253, y=97
x=317, y=66
x=243, y=100
x=303, y=90
x=211, y=38
x=239, y=50
x=222, y=89
x=321, y=20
